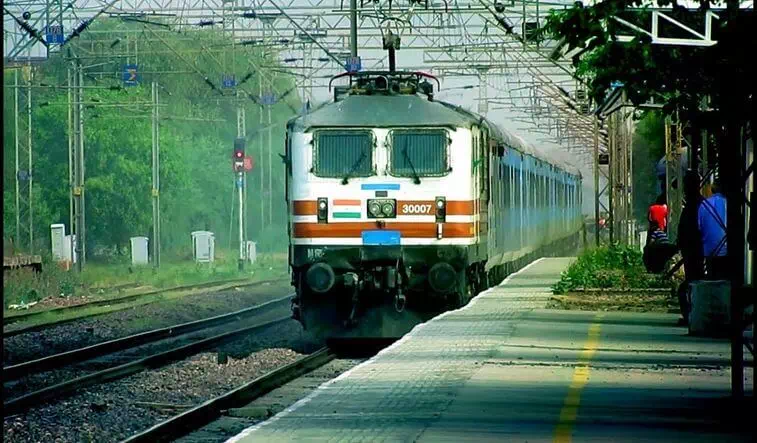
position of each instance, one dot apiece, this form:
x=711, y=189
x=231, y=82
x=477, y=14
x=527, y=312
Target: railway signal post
x=239, y=168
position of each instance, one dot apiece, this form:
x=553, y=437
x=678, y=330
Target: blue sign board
x=229, y=81
x=352, y=64
x=381, y=238
x=54, y=34
x=130, y=75
x=23, y=175
x=380, y=187
x=268, y=98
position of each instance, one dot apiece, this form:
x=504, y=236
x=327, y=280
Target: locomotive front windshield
x=419, y=152
x=343, y=153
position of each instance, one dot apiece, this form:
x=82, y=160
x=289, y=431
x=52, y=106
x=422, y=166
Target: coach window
x=419, y=151
x=485, y=157
x=343, y=153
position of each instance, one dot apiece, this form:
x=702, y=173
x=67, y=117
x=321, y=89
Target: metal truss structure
x=654, y=30
x=491, y=41
x=22, y=128
x=675, y=148
x=613, y=172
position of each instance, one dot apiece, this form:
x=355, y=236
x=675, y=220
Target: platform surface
x=503, y=368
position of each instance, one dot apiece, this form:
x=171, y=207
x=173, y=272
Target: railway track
x=16, y=371
x=115, y=304
x=205, y=413
x=153, y=361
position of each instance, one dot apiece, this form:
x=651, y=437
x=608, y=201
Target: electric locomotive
x=401, y=203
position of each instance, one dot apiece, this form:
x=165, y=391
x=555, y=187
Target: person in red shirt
x=658, y=212
x=657, y=216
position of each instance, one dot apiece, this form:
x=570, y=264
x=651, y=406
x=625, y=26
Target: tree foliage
x=681, y=76
x=196, y=177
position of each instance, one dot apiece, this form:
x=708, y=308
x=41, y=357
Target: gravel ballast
x=118, y=324
x=116, y=410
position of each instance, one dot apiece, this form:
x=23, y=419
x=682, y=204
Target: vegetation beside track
x=615, y=267
x=55, y=287
x=613, y=279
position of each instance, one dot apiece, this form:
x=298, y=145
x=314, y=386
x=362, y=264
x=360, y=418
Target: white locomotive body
x=398, y=200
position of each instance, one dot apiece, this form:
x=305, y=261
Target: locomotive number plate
x=416, y=208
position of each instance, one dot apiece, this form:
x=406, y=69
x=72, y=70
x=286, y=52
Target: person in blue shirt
x=711, y=219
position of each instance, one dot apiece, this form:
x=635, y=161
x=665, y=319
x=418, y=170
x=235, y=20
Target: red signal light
x=239, y=143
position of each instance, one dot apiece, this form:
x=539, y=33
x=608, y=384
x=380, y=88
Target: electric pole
x=239, y=170
x=353, y=28
x=155, y=178
x=78, y=186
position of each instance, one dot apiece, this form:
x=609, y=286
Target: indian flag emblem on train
x=347, y=209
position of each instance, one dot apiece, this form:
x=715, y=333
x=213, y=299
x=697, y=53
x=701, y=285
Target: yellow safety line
x=569, y=411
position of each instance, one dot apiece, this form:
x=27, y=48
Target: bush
x=617, y=267
x=24, y=286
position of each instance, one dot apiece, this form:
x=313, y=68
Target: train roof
x=384, y=111
x=516, y=142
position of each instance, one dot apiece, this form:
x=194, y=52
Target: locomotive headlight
x=441, y=209
x=323, y=210
x=387, y=209
x=375, y=209
x=382, y=208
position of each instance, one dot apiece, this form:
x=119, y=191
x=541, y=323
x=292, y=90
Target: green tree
x=682, y=76
x=196, y=176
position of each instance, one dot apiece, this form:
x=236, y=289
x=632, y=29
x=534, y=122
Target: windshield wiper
x=416, y=178
x=345, y=180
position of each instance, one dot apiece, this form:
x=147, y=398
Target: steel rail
x=115, y=302
x=19, y=370
x=209, y=411
x=27, y=401
x=25, y=316
x=205, y=413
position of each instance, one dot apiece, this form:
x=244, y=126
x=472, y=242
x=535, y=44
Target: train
x=401, y=203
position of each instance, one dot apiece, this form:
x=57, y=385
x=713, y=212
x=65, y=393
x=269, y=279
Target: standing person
x=690, y=241
x=711, y=221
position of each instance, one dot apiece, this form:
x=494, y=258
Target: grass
x=24, y=286
x=613, y=267
x=180, y=273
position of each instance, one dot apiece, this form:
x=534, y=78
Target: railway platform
x=504, y=368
